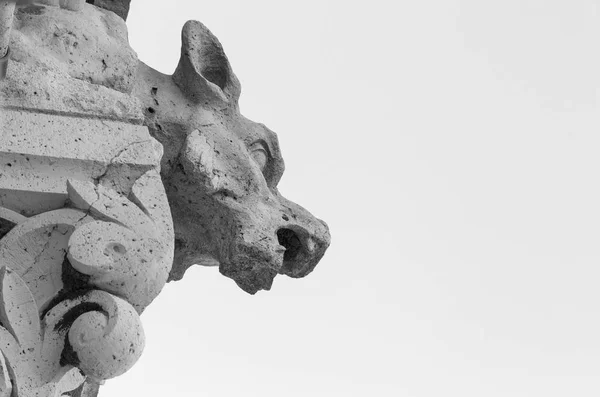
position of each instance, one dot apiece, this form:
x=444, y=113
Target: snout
x=284, y=239
x=305, y=239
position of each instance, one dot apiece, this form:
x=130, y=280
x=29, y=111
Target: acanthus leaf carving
x=125, y=251
x=96, y=334
x=104, y=334
x=35, y=249
x=5, y=382
x=87, y=272
x=18, y=310
x=26, y=370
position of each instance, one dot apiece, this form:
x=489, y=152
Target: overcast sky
x=453, y=148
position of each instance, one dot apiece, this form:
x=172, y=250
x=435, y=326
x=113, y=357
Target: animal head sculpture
x=221, y=172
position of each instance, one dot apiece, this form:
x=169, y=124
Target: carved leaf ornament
x=73, y=282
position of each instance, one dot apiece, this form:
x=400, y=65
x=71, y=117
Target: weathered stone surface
x=55, y=92
x=54, y=3
x=87, y=389
x=90, y=45
x=129, y=250
x=93, y=222
x=119, y=7
x=221, y=172
x=72, y=5
x=35, y=249
x=34, y=167
x=124, y=247
x=220, y=169
x=7, y=9
x=5, y=383
x=101, y=334
x=31, y=364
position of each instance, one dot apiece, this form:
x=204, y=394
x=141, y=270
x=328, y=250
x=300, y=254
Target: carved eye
x=260, y=155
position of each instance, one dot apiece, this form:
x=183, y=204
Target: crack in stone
x=44, y=248
x=98, y=179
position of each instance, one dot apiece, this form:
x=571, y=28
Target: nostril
x=290, y=240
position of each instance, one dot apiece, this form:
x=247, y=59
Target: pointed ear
x=204, y=73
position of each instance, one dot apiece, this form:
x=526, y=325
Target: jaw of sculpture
x=221, y=172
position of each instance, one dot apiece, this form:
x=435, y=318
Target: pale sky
x=453, y=148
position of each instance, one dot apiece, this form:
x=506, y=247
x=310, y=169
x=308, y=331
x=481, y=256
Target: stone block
x=29, y=87
x=90, y=45
x=39, y=152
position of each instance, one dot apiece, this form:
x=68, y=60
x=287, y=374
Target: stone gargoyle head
x=221, y=172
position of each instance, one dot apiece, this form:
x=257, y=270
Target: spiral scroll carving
x=104, y=335
x=73, y=282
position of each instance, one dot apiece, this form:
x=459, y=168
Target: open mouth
x=253, y=265
x=293, y=246
x=297, y=250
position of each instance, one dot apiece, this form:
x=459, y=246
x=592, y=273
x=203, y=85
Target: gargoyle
x=110, y=172
x=221, y=171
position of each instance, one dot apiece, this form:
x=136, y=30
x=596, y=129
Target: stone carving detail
x=114, y=179
x=118, y=255
x=221, y=172
x=86, y=244
x=95, y=334
x=119, y=7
